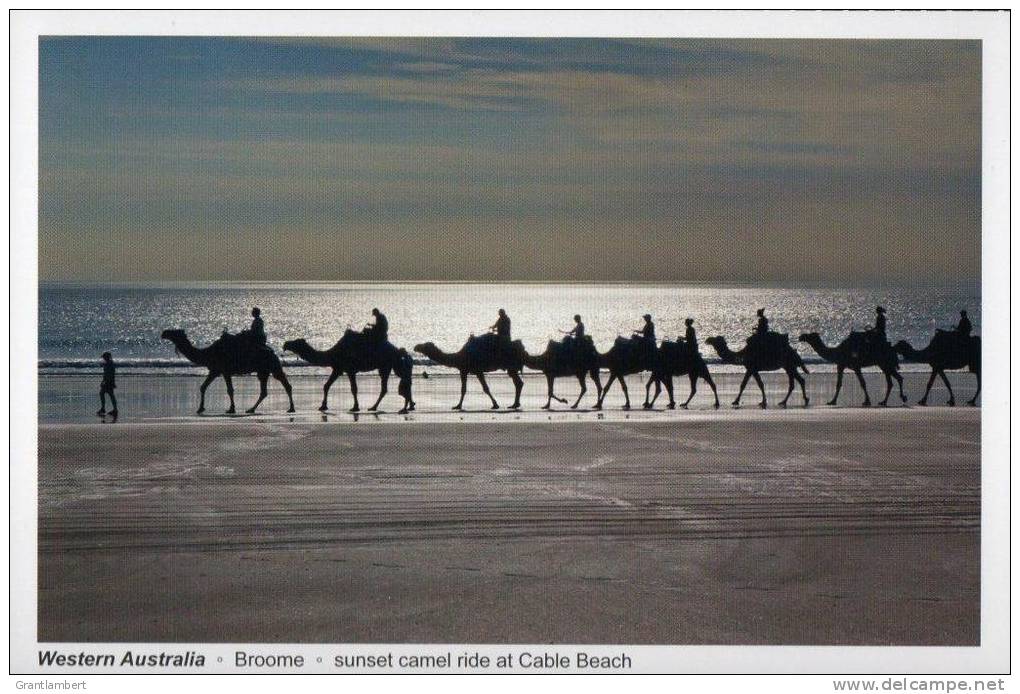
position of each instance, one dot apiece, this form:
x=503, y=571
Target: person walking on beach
x=690, y=337
x=258, y=327
x=964, y=327
x=108, y=385
x=380, y=329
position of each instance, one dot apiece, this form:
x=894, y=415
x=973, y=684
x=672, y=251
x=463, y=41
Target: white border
x=991, y=28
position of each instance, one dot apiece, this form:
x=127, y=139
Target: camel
x=856, y=352
x=767, y=353
x=478, y=356
x=676, y=359
x=566, y=358
x=354, y=353
x=232, y=355
x=627, y=356
x=947, y=350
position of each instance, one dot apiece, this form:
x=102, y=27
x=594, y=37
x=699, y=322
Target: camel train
x=577, y=356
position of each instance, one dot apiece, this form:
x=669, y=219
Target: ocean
x=78, y=322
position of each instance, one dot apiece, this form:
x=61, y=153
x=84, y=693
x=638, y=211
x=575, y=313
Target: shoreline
x=832, y=528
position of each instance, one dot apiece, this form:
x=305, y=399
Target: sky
x=499, y=159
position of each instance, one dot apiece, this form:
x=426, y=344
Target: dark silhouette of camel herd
x=357, y=352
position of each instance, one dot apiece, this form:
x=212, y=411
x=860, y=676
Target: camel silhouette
x=856, y=352
x=231, y=355
x=478, y=356
x=569, y=357
x=353, y=353
x=677, y=359
x=628, y=355
x=947, y=350
x=770, y=352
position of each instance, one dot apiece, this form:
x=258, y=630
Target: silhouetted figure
x=359, y=352
x=258, y=327
x=379, y=330
x=879, y=329
x=478, y=360
x=108, y=385
x=228, y=357
x=964, y=327
x=577, y=331
x=502, y=326
x=690, y=337
x=856, y=352
x=763, y=323
x=647, y=331
x=946, y=351
x=763, y=354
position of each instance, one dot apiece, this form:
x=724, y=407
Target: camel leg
x=282, y=378
x=694, y=389
x=202, y=388
x=888, y=389
x=899, y=380
x=927, y=391
x=353, y=378
x=711, y=384
x=803, y=386
x=761, y=386
x=485, y=389
x=839, y=384
x=584, y=389
x=518, y=387
x=263, y=391
x=463, y=390
x=594, y=373
x=230, y=393
x=668, y=382
x=384, y=376
x=602, y=395
x=743, y=384
x=325, y=389
x=549, y=379
x=864, y=387
x=952, y=398
x=626, y=393
x=789, y=378
x=972, y=401
x=648, y=388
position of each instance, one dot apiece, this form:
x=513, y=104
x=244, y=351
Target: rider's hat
x=761, y=312
x=648, y=316
x=879, y=309
x=689, y=321
x=256, y=310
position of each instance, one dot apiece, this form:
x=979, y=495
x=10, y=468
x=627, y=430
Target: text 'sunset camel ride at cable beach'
x=232, y=355
x=355, y=353
x=478, y=356
x=948, y=350
x=857, y=351
x=769, y=352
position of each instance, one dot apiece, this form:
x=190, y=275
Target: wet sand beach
x=817, y=526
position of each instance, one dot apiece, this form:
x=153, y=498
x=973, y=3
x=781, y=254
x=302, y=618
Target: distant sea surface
x=77, y=322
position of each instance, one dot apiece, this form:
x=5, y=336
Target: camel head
x=427, y=348
x=295, y=345
x=904, y=348
x=810, y=338
x=719, y=342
